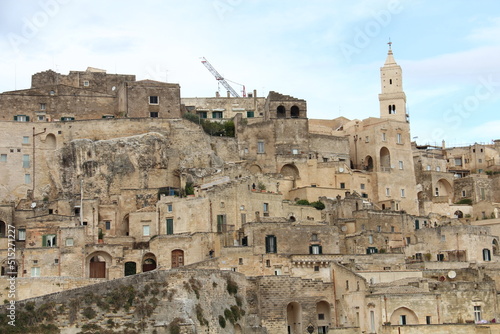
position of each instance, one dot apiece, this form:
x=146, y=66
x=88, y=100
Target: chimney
x=228, y=94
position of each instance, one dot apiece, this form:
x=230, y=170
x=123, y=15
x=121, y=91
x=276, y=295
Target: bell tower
x=393, y=98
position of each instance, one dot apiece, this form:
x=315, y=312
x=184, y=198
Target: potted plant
x=100, y=237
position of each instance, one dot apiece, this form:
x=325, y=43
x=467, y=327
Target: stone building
x=339, y=226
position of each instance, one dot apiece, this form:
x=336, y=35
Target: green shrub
x=222, y=321
x=318, y=205
x=467, y=201
x=302, y=202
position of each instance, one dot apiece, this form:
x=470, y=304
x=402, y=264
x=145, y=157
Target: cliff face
x=176, y=301
x=149, y=160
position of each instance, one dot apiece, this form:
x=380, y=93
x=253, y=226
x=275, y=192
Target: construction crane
x=221, y=80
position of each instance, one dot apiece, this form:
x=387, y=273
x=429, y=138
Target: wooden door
x=177, y=258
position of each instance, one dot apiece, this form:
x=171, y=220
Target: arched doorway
x=385, y=160
x=177, y=258
x=148, y=262
x=294, y=112
x=281, y=112
x=130, y=268
x=125, y=225
x=294, y=318
x=97, y=264
x=368, y=163
x=459, y=214
x=404, y=316
x=323, y=316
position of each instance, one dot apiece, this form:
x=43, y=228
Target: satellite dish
x=452, y=274
x=341, y=169
x=33, y=205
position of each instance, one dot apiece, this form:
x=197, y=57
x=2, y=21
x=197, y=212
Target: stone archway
x=295, y=112
x=404, y=316
x=368, y=164
x=255, y=169
x=148, y=262
x=290, y=170
x=97, y=264
x=281, y=112
x=385, y=159
x=323, y=315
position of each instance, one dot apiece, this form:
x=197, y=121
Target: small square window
x=21, y=234
x=43, y=106
x=41, y=118
x=145, y=230
x=3, y=157
x=169, y=207
x=153, y=100
x=56, y=261
x=342, y=185
x=240, y=261
x=316, y=268
x=362, y=186
x=321, y=316
x=69, y=242
x=260, y=147
x=108, y=225
x=35, y=272
x=86, y=83
x=26, y=140
x=153, y=114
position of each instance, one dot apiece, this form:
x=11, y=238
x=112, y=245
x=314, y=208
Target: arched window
x=390, y=81
x=294, y=112
x=294, y=318
x=385, y=159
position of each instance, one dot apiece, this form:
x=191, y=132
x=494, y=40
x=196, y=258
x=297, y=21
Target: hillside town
x=324, y=226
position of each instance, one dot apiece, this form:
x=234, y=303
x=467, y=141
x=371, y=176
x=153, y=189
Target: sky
x=328, y=52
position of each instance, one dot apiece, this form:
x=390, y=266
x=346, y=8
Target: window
x=440, y=257
x=69, y=242
x=153, y=100
x=458, y=161
x=347, y=285
x=480, y=160
x=21, y=118
x=379, y=228
x=56, y=261
x=260, y=147
x=240, y=261
x=370, y=239
x=321, y=316
x=153, y=114
x=3, y=157
x=443, y=237
x=383, y=136
x=265, y=207
x=401, y=165
x=402, y=193
x=217, y=114
x=86, y=83
x=170, y=226
x=221, y=223
x=26, y=161
x=41, y=118
x=367, y=139
x=316, y=268
x=268, y=263
x=21, y=234
x=464, y=193
x=315, y=249
x=408, y=240
x=342, y=185
x=486, y=254
x=43, y=106
x=145, y=230
x=362, y=186
x=271, y=246
x=170, y=207
x=314, y=237
x=438, y=169
x=399, y=138
x=49, y=240
x=387, y=191
x=243, y=218
x=108, y=225
x=393, y=229
x=402, y=319
x=477, y=313
x=417, y=224
x=27, y=178
x=250, y=114
x=35, y=272
x=295, y=151
x=26, y=140
x=202, y=114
